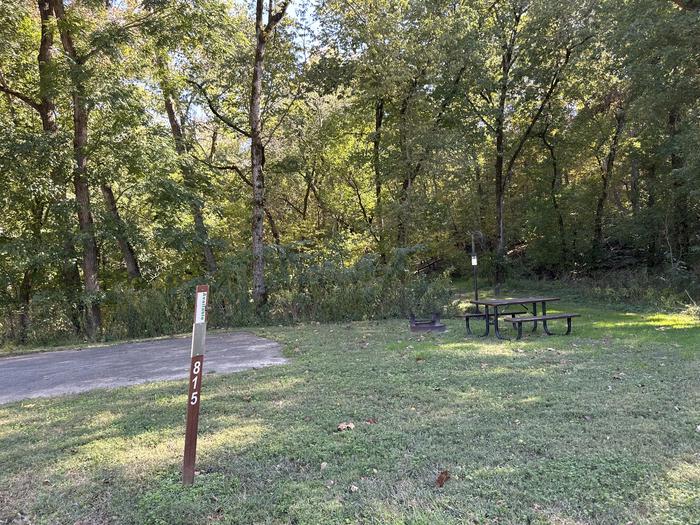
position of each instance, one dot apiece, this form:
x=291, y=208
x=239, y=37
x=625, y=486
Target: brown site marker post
x=194, y=398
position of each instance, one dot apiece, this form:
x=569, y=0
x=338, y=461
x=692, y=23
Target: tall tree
x=263, y=31
x=80, y=175
x=170, y=99
x=523, y=61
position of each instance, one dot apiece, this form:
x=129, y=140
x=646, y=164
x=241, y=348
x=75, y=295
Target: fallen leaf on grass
x=324, y=465
x=619, y=376
x=697, y=429
x=371, y=421
x=442, y=478
x=345, y=426
x=354, y=488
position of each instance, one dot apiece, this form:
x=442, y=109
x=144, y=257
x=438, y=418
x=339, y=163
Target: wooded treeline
x=299, y=154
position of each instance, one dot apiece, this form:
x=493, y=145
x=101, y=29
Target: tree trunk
x=377, y=219
x=653, y=226
x=499, y=187
x=80, y=181
x=499, y=175
x=478, y=178
x=273, y=227
x=553, y=197
x=257, y=158
x=47, y=108
x=25, y=297
x=606, y=172
x=201, y=231
x=410, y=168
x=70, y=273
x=87, y=232
x=634, y=186
x=681, y=229
x=130, y=260
x=86, y=223
x=402, y=218
x=257, y=149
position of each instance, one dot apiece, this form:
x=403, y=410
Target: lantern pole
x=474, y=270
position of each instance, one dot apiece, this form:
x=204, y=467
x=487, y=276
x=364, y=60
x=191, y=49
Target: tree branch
x=480, y=115
x=226, y=167
x=296, y=97
x=223, y=118
x=24, y=98
x=368, y=219
x=292, y=205
x=545, y=99
x=274, y=18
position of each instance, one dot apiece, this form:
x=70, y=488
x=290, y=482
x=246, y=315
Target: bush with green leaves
x=303, y=285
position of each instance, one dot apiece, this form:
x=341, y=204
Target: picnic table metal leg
x=544, y=322
x=487, y=318
x=520, y=331
x=534, y=312
x=495, y=324
x=568, y=326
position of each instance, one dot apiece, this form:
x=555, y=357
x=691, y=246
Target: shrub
x=303, y=285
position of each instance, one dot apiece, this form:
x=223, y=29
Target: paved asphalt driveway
x=69, y=371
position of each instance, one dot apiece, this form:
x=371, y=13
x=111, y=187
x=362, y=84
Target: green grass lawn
x=597, y=427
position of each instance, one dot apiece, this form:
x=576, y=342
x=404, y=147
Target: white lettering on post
x=201, y=307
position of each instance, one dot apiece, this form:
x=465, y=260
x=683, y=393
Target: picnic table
x=526, y=312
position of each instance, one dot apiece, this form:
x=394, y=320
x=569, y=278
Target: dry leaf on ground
x=442, y=478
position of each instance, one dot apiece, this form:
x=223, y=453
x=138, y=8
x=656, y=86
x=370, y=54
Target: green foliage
x=303, y=287
x=326, y=289
x=379, y=134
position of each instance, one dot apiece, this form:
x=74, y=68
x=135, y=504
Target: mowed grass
x=597, y=427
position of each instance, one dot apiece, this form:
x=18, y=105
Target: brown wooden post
x=199, y=330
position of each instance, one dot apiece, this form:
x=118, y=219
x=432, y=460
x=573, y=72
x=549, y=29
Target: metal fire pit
x=425, y=325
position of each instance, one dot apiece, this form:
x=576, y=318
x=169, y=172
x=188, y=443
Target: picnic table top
x=513, y=300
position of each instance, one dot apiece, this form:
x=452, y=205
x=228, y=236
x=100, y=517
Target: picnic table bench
x=491, y=314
